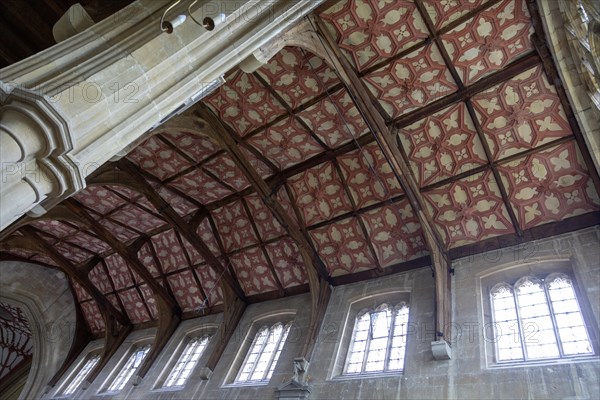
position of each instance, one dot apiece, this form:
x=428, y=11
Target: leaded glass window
x=538, y=319
x=82, y=374
x=133, y=363
x=187, y=361
x=263, y=354
x=378, y=341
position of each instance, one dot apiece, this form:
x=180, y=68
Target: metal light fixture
x=169, y=25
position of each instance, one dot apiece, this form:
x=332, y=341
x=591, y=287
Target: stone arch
x=45, y=297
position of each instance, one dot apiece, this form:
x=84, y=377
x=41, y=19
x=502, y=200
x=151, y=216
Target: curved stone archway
x=45, y=297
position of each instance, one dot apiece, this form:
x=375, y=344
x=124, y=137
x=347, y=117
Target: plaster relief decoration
x=551, y=185
x=343, y=247
x=489, y=41
x=469, y=210
x=371, y=31
x=395, y=233
x=443, y=145
x=522, y=113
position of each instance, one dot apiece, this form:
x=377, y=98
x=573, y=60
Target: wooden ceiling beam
x=377, y=123
x=132, y=176
x=318, y=277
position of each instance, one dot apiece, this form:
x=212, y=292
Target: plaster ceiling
x=491, y=161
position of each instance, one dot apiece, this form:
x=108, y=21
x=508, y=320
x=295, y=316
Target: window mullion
x=367, y=344
x=553, y=318
x=390, y=340
x=520, y=324
x=275, y=348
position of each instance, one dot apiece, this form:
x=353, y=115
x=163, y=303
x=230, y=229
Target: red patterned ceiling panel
x=469, y=210
x=157, y=158
x=92, y=243
x=209, y=281
x=149, y=300
x=410, y=82
x=99, y=199
x=93, y=317
x=522, y=113
x=343, y=247
x=132, y=195
x=286, y=203
x=297, y=76
x=194, y=256
x=395, y=232
x=201, y=187
x=120, y=232
x=182, y=206
x=286, y=143
x=489, y=41
x=369, y=176
x=196, y=146
x=118, y=271
x=134, y=306
x=253, y=272
x=114, y=300
x=207, y=235
x=335, y=119
x=186, y=291
x=43, y=259
x=80, y=292
x=266, y=224
x=146, y=257
x=234, y=226
x=443, y=145
x=371, y=31
x=53, y=227
x=549, y=186
x=244, y=103
x=446, y=11
x=72, y=253
x=224, y=168
x=169, y=251
x=137, y=218
x=100, y=279
x=287, y=261
x=320, y=194
x=260, y=167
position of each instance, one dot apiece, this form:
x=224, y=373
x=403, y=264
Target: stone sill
x=554, y=361
x=391, y=374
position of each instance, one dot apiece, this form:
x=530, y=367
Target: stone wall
x=470, y=373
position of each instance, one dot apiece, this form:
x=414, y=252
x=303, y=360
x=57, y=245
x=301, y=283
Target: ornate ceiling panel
x=369, y=176
x=343, y=247
x=521, y=113
x=268, y=227
x=286, y=143
x=287, y=261
x=182, y=206
x=134, y=306
x=92, y=316
x=335, y=119
x=244, y=103
x=234, y=226
x=225, y=169
x=369, y=32
x=99, y=199
x=412, y=81
x=137, y=218
x=197, y=147
x=444, y=12
x=551, y=185
x=443, y=145
x=210, y=282
x=253, y=271
x=198, y=185
x=169, y=251
x=395, y=233
x=186, y=291
x=158, y=158
x=490, y=41
x=297, y=76
x=469, y=210
x=319, y=194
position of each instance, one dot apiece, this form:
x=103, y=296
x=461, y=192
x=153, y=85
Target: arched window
x=538, y=319
x=187, y=361
x=263, y=354
x=378, y=341
x=89, y=364
x=133, y=363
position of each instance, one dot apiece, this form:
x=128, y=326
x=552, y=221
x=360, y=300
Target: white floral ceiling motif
x=489, y=161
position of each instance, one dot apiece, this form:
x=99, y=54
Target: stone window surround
x=195, y=332
x=112, y=375
x=346, y=331
x=284, y=317
x=72, y=373
x=510, y=274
